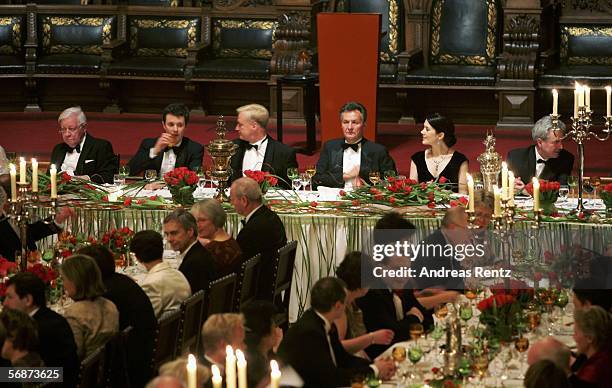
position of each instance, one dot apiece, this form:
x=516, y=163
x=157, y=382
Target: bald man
x=550, y=349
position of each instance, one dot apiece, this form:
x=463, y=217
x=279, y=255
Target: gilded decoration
x=567, y=32
x=451, y=59
x=15, y=45
x=189, y=26
x=51, y=23
x=227, y=24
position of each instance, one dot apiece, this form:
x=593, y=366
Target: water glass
x=118, y=179
x=150, y=175
x=305, y=178
x=572, y=182
x=296, y=183
x=124, y=170
x=564, y=192
x=292, y=173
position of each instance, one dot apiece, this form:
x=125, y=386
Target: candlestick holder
x=580, y=133
x=537, y=217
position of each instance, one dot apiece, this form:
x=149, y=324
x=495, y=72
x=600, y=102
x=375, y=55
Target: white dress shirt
x=166, y=287
x=350, y=160
x=539, y=166
x=72, y=159
x=168, y=161
x=254, y=158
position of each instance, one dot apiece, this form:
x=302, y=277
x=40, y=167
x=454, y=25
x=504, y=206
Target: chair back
x=220, y=296
x=246, y=285
x=284, y=268
x=91, y=371
x=166, y=337
x=192, y=310
x=116, y=372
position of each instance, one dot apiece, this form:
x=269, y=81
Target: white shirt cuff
x=375, y=369
x=152, y=154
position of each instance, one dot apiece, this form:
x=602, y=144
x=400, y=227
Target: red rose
x=431, y=205
x=66, y=253
x=356, y=202
x=127, y=202
x=140, y=201
x=105, y=198
x=407, y=189
x=313, y=204
x=342, y=193
x=442, y=179
x=392, y=188
x=392, y=200
x=463, y=200
x=153, y=198
x=378, y=197
x=423, y=185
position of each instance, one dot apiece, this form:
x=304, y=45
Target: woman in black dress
x=440, y=159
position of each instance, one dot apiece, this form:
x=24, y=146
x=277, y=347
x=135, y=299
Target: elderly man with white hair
x=81, y=154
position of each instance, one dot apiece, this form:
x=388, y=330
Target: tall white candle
x=53, y=174
x=536, y=194
x=34, y=175
x=504, y=179
x=580, y=96
x=191, y=371
x=216, y=377
x=13, y=173
x=587, y=98
x=608, y=99
x=510, y=188
x=230, y=367
x=275, y=374
x=497, y=202
x=242, y=369
x=22, y=170
x=576, y=102
x=555, y=101
x=470, y=185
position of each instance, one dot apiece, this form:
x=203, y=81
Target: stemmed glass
x=374, y=177
x=311, y=170
x=416, y=331
x=200, y=172
x=595, y=182
x=564, y=192
x=292, y=173
x=465, y=312
x=572, y=182
x=305, y=179
x=437, y=334
x=296, y=183
x=414, y=355
x=481, y=365
x=124, y=171
x=399, y=356
x=150, y=175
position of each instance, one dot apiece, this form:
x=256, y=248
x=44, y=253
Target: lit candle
x=34, y=175
x=275, y=374
x=580, y=95
x=470, y=185
x=510, y=188
x=22, y=170
x=587, y=99
x=555, y=101
x=242, y=369
x=230, y=367
x=536, y=194
x=608, y=100
x=13, y=172
x=576, y=102
x=497, y=202
x=216, y=377
x=504, y=179
x=191, y=371
x=53, y=174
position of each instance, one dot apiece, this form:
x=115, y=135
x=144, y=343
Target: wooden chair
x=284, y=277
x=220, y=296
x=90, y=373
x=246, y=285
x=116, y=372
x=166, y=337
x=192, y=309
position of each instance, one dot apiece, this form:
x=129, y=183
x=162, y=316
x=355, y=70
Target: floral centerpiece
x=181, y=182
x=402, y=192
x=549, y=192
x=606, y=196
x=571, y=264
x=48, y=275
x=263, y=178
x=118, y=240
x=500, y=312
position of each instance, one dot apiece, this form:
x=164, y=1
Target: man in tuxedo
x=262, y=232
x=218, y=331
x=81, y=154
x=171, y=149
x=312, y=347
x=546, y=159
x=26, y=292
x=197, y=264
x=347, y=162
x=11, y=241
x=257, y=151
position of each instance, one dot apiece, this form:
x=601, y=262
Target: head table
x=325, y=233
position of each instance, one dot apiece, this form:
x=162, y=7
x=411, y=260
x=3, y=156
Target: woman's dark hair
x=443, y=124
x=596, y=297
x=545, y=374
x=350, y=270
x=27, y=283
x=259, y=316
x=20, y=329
x=148, y=245
x=102, y=256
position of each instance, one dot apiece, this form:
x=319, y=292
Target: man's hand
x=351, y=174
x=164, y=141
x=386, y=368
x=154, y=186
x=382, y=336
x=417, y=313
x=519, y=185
x=63, y=214
x=83, y=177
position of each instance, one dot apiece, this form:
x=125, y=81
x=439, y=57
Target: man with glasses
x=81, y=154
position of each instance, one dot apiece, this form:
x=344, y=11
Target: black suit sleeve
x=196, y=153
x=328, y=174
x=141, y=160
x=106, y=163
x=377, y=160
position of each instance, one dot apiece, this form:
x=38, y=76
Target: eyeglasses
x=70, y=130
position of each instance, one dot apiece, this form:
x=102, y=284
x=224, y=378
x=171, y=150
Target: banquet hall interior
x=194, y=193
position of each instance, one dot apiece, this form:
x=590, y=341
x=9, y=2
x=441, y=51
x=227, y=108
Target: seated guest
x=218, y=331
x=550, y=349
x=546, y=159
x=545, y=374
x=171, y=149
x=11, y=241
x=440, y=159
x=26, y=292
x=5, y=179
x=262, y=338
x=263, y=231
x=351, y=329
x=348, y=161
x=92, y=318
x=81, y=154
x=20, y=340
x=257, y=151
x=584, y=296
x=593, y=336
x=197, y=264
x=312, y=347
x=178, y=368
x=165, y=286
x=225, y=251
x=135, y=310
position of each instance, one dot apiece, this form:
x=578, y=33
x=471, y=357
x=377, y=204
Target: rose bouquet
x=498, y=313
x=182, y=182
x=549, y=192
x=263, y=178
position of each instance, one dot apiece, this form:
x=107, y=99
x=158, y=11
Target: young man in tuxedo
x=81, y=154
x=348, y=161
x=546, y=159
x=256, y=150
x=313, y=348
x=171, y=149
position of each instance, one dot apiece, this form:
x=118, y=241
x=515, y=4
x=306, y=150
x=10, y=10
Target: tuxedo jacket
x=97, y=159
x=56, y=344
x=277, y=160
x=379, y=313
x=522, y=162
x=306, y=349
x=265, y=234
x=374, y=157
x=198, y=266
x=436, y=262
x=11, y=242
x=189, y=154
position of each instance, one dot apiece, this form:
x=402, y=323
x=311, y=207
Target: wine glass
x=533, y=317
x=480, y=365
x=200, y=172
x=124, y=171
x=305, y=178
x=572, y=182
x=595, y=182
x=464, y=369
x=292, y=173
x=374, y=177
x=564, y=192
x=587, y=188
x=296, y=183
x=414, y=355
x=441, y=311
x=562, y=300
x=465, y=311
x=437, y=334
x=150, y=175
x=416, y=331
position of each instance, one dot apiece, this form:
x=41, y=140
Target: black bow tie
x=355, y=146
x=541, y=161
x=71, y=149
x=249, y=146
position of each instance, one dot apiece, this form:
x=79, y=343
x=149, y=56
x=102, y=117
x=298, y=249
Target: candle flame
x=229, y=351
x=216, y=371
